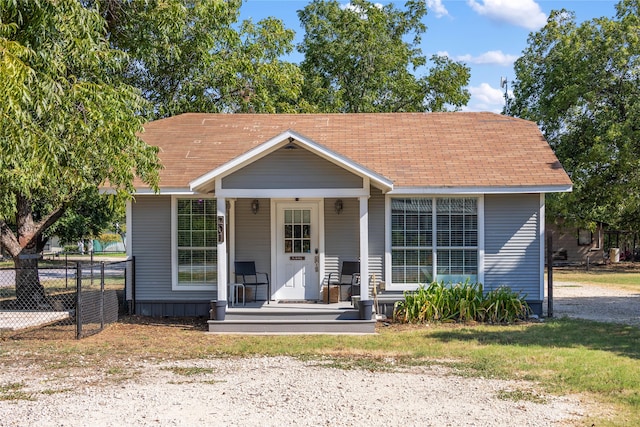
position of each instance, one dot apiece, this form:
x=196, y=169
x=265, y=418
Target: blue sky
x=487, y=35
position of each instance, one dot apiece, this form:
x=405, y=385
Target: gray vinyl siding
x=151, y=245
x=253, y=238
x=292, y=169
x=512, y=247
x=342, y=234
x=376, y=234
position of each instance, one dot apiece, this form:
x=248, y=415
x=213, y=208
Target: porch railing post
x=366, y=304
x=222, y=258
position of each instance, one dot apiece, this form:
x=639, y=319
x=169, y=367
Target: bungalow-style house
x=414, y=197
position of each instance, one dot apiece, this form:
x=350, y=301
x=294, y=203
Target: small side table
x=233, y=292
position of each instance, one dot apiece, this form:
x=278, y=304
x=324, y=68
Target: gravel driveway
x=282, y=391
x=595, y=303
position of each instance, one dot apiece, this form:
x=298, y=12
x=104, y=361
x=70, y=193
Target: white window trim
x=175, y=286
x=388, y=247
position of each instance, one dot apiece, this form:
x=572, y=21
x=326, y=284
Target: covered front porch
x=297, y=213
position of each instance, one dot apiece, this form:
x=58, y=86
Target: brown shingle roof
x=410, y=149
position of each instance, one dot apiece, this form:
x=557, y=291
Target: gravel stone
x=281, y=391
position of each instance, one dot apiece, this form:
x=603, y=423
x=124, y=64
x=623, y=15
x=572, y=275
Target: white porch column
x=222, y=250
x=364, y=248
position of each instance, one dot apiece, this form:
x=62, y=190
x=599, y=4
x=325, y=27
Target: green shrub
x=70, y=248
x=106, y=238
x=461, y=302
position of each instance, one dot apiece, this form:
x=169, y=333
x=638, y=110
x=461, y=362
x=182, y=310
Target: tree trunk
x=30, y=294
x=24, y=247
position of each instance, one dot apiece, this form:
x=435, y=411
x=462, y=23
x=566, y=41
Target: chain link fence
x=77, y=298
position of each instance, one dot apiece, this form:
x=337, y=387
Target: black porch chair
x=349, y=275
x=246, y=272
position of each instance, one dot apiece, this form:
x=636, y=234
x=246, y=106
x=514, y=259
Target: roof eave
x=537, y=189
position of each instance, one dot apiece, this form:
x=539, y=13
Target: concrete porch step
x=293, y=326
x=277, y=318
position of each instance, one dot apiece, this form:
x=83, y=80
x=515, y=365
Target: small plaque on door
x=297, y=258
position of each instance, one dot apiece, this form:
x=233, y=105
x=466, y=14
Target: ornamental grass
x=461, y=302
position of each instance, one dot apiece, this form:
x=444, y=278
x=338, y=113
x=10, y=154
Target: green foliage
x=194, y=57
x=106, y=238
x=503, y=305
x=581, y=84
x=66, y=126
x=361, y=58
x=461, y=302
x=89, y=214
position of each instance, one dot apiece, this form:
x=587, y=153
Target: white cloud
x=437, y=7
x=485, y=98
x=523, y=13
x=492, y=57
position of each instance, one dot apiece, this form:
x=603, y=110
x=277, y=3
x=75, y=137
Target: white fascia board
x=288, y=193
x=280, y=141
x=482, y=190
x=165, y=191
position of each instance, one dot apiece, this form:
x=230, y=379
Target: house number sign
x=221, y=229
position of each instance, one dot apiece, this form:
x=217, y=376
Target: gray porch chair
x=349, y=275
x=247, y=275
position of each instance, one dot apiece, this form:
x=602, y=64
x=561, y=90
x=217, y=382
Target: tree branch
x=8, y=240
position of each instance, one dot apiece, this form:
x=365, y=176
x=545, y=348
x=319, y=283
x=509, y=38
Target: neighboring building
x=414, y=197
x=572, y=245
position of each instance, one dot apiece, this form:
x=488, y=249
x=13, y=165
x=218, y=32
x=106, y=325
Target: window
x=440, y=229
x=457, y=241
x=585, y=237
x=297, y=231
x=412, y=240
x=196, y=242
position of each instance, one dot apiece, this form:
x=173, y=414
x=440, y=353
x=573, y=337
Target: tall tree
x=194, y=56
x=581, y=84
x=65, y=125
x=357, y=59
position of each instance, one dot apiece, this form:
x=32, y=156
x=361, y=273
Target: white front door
x=297, y=259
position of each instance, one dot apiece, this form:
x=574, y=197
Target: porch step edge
x=288, y=326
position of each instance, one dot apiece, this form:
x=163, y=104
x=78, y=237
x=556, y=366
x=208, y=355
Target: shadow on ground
x=557, y=333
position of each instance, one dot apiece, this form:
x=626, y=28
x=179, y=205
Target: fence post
x=78, y=300
x=91, y=263
x=133, y=285
x=549, y=277
x=101, y=293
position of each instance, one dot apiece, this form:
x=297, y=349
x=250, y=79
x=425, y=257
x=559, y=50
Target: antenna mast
x=504, y=84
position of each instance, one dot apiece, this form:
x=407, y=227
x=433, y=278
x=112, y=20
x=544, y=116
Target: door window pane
x=297, y=231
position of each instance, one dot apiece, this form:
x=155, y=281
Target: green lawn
x=628, y=280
